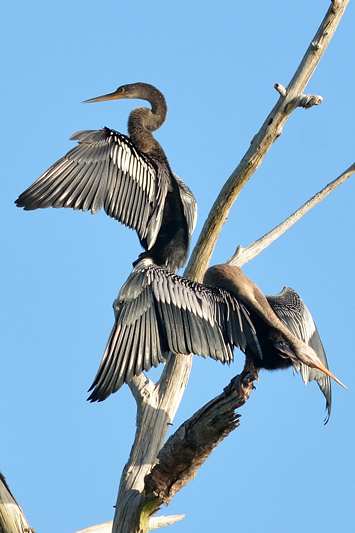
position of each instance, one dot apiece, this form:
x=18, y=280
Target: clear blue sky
x=282, y=471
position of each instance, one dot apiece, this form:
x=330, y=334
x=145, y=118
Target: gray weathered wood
x=12, y=518
x=188, y=448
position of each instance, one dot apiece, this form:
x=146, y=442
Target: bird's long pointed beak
x=103, y=98
x=322, y=368
x=308, y=356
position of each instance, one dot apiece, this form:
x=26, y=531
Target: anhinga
x=287, y=333
x=129, y=177
x=157, y=312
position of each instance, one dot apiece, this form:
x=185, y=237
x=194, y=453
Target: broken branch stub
x=187, y=449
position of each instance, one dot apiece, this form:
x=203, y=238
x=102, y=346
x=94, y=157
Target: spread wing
x=293, y=312
x=104, y=170
x=158, y=312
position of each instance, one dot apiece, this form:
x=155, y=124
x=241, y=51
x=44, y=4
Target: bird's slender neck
x=235, y=281
x=142, y=121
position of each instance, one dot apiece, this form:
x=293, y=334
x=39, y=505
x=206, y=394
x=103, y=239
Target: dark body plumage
x=129, y=177
x=157, y=312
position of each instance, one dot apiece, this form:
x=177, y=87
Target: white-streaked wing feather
x=168, y=313
x=105, y=170
x=294, y=313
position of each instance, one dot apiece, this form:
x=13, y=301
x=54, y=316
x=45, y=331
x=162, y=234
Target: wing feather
x=294, y=313
x=189, y=204
x=104, y=170
x=157, y=312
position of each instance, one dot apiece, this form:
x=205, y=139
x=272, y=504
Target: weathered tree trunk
x=12, y=518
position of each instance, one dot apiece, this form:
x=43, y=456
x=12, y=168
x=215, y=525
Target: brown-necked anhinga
x=158, y=312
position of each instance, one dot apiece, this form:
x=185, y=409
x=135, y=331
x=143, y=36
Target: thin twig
x=244, y=255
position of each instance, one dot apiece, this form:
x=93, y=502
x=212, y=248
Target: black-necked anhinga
x=130, y=177
x=157, y=312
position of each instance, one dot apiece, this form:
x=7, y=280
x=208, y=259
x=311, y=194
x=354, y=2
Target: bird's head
x=137, y=90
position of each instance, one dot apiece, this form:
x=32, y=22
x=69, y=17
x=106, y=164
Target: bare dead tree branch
x=188, y=448
x=158, y=406
x=303, y=100
x=244, y=255
x=12, y=518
